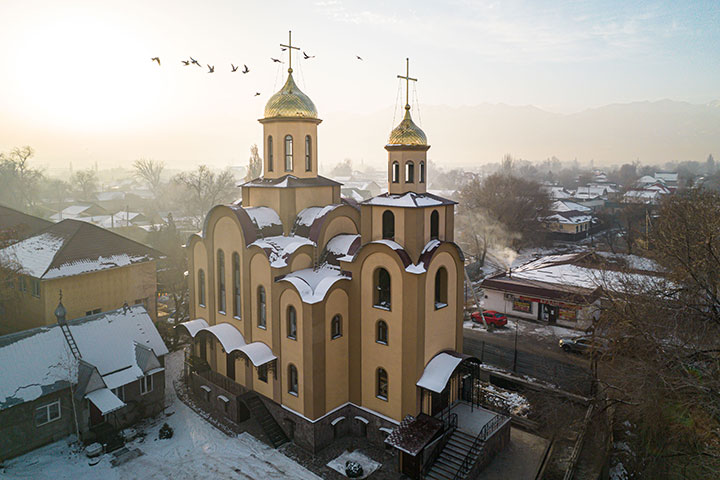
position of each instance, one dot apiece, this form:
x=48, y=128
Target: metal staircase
x=448, y=464
x=260, y=412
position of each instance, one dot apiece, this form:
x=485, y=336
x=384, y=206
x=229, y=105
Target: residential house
x=16, y=225
x=92, y=376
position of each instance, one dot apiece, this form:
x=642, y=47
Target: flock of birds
x=234, y=68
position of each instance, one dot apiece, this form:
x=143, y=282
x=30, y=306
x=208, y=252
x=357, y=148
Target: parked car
x=491, y=318
x=583, y=344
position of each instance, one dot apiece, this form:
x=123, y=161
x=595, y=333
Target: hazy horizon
x=79, y=86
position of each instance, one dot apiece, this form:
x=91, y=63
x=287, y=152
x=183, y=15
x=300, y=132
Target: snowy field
x=197, y=450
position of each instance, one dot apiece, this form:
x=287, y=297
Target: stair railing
x=450, y=423
x=487, y=430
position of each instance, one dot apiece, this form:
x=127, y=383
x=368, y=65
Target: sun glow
x=81, y=72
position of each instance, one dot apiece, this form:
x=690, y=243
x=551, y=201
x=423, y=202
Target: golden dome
x=290, y=102
x=407, y=133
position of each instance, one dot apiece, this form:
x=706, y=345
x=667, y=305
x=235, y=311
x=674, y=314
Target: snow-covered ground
x=197, y=450
x=526, y=328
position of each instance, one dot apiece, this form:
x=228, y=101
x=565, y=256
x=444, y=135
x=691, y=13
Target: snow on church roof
x=313, y=283
x=279, y=248
x=263, y=216
x=232, y=340
x=408, y=200
x=343, y=246
x=307, y=216
x=438, y=371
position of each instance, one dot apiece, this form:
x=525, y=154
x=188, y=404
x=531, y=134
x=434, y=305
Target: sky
x=77, y=80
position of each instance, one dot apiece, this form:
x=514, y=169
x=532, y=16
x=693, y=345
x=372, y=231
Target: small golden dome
x=407, y=133
x=290, y=102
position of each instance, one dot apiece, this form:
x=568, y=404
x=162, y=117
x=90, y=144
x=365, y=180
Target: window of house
x=221, y=281
x=35, y=287
x=201, y=287
x=382, y=384
x=292, y=380
x=395, y=172
x=263, y=373
x=47, y=413
x=291, y=322
x=23, y=284
x=119, y=392
x=262, y=308
x=236, y=286
x=382, y=332
x=336, y=327
x=382, y=288
x=93, y=312
x=146, y=384
x=441, y=288
x=288, y=153
x=422, y=172
x=270, y=153
x=388, y=225
x=409, y=172
x=308, y=153
x=434, y=225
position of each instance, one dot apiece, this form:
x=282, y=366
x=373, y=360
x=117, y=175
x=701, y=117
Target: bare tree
x=202, y=189
x=663, y=366
x=18, y=180
x=85, y=183
x=149, y=171
x=255, y=164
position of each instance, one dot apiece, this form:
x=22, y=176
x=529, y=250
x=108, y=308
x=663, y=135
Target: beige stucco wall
x=260, y=275
x=291, y=351
x=440, y=325
x=376, y=355
x=403, y=157
x=337, y=378
x=200, y=263
x=227, y=238
x=107, y=290
x=298, y=129
x=442, y=212
x=377, y=213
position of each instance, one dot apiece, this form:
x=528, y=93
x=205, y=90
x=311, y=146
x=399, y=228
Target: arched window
x=382, y=288
x=395, y=172
x=262, y=308
x=221, y=281
x=409, y=172
x=291, y=322
x=388, y=225
x=292, y=380
x=308, y=153
x=288, y=153
x=382, y=384
x=201, y=287
x=382, y=332
x=336, y=327
x=237, y=310
x=434, y=225
x=441, y=288
x=270, y=155
x=422, y=172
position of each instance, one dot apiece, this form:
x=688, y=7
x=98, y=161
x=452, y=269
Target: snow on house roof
x=408, y=200
x=569, y=218
x=279, y=248
x=438, y=371
x=566, y=206
x=313, y=283
x=557, y=192
x=38, y=361
x=263, y=216
x=646, y=179
x=105, y=400
x=72, y=247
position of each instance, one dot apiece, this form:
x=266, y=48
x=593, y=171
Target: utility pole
x=517, y=324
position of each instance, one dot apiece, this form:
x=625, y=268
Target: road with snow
x=538, y=354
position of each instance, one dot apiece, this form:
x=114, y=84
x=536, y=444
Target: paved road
x=536, y=357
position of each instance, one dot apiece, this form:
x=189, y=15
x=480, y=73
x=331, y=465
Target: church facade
x=327, y=309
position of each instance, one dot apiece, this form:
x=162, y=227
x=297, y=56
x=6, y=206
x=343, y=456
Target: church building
x=341, y=318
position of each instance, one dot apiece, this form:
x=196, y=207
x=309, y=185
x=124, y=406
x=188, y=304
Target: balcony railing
x=226, y=383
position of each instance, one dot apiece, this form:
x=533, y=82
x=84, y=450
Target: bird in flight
x=283, y=49
x=307, y=56
x=234, y=68
x=155, y=59
x=211, y=68
x=257, y=94
x=185, y=62
x=192, y=60
x=275, y=60
x=358, y=57
x=245, y=69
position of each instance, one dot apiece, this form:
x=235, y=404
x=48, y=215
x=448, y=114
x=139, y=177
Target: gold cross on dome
x=290, y=48
x=407, y=79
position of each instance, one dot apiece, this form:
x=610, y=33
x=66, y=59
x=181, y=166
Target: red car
x=491, y=318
